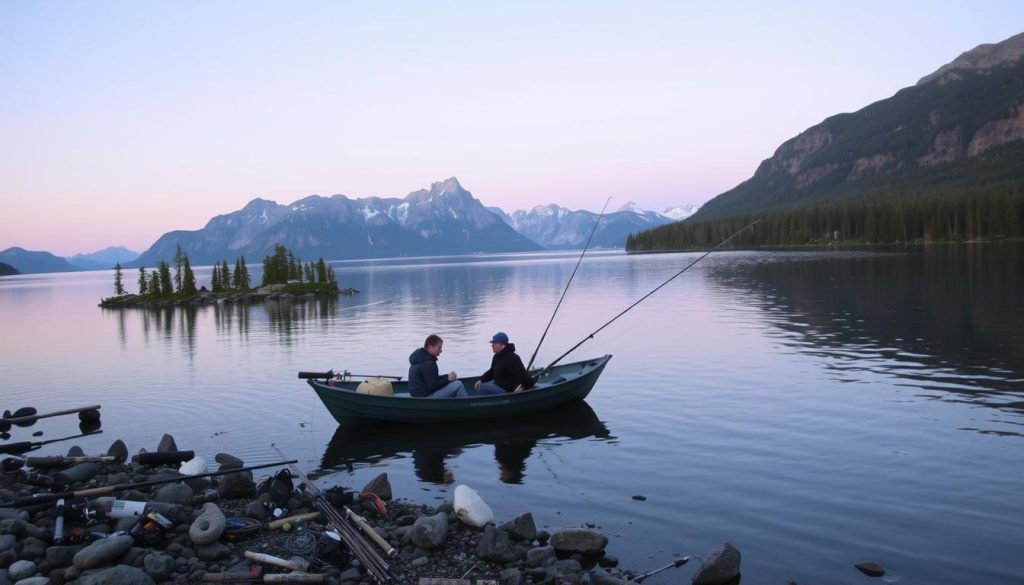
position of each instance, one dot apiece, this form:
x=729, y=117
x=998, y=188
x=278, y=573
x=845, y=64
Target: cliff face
x=962, y=111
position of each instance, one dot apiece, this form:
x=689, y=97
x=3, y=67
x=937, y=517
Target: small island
x=284, y=277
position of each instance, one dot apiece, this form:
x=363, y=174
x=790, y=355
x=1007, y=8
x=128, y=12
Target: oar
x=25, y=446
x=110, y=489
x=33, y=417
x=678, y=563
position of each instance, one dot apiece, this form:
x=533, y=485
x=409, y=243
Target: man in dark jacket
x=507, y=373
x=423, y=378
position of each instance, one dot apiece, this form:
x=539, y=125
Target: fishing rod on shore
x=110, y=489
x=25, y=446
x=643, y=298
x=566, y=289
x=674, y=565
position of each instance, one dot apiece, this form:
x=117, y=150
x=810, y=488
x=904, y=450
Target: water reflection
x=514, y=438
x=914, y=315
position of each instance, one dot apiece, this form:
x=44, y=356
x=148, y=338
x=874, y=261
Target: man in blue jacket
x=507, y=373
x=424, y=380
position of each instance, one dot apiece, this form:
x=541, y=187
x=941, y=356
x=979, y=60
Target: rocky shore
x=208, y=529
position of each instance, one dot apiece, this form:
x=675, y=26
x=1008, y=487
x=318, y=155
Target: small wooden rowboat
x=559, y=385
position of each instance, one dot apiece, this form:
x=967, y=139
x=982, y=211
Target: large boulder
x=429, y=532
x=521, y=528
x=119, y=575
x=581, y=540
x=380, y=486
x=495, y=546
x=721, y=566
x=471, y=508
x=102, y=551
x=167, y=445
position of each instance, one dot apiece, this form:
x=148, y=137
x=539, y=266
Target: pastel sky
x=120, y=121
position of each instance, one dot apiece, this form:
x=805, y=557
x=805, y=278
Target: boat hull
x=561, y=385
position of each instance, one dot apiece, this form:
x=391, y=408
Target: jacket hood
x=509, y=348
x=419, y=356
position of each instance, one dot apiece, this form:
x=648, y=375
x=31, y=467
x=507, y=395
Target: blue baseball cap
x=500, y=337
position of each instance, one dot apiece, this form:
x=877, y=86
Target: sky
x=121, y=121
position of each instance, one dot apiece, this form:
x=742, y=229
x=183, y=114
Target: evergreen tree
x=242, y=275
x=293, y=267
x=143, y=281
x=225, y=274
x=118, y=284
x=310, y=273
x=321, y=271
x=331, y=279
x=188, y=279
x=154, y=282
x=179, y=262
x=166, y=284
x=215, y=280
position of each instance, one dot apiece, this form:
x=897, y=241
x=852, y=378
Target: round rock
x=208, y=527
x=471, y=508
x=103, y=551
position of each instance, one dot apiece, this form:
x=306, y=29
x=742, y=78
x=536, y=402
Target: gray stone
x=8, y=542
x=119, y=575
x=228, y=461
x=581, y=540
x=236, y=485
x=567, y=567
x=256, y=509
x=380, y=486
x=118, y=449
x=174, y=493
x=720, y=566
x=420, y=562
x=158, y=566
x=510, y=577
x=34, y=581
x=216, y=551
x=13, y=514
x=429, y=532
x=350, y=575
x=522, y=528
x=76, y=451
x=21, y=570
x=167, y=445
x=538, y=556
x=208, y=527
x=602, y=577
x=33, y=549
x=103, y=551
x=495, y=546
x=22, y=528
x=871, y=568
x=7, y=557
x=62, y=556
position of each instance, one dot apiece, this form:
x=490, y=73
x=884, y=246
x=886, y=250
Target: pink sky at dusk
x=120, y=121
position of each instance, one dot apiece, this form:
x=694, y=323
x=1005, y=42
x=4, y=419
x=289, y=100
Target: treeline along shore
x=284, y=277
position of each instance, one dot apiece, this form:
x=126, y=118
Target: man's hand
x=519, y=388
x=452, y=377
x=477, y=385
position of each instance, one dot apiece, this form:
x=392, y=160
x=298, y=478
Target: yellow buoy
x=378, y=386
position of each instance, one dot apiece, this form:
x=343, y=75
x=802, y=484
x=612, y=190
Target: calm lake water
x=816, y=409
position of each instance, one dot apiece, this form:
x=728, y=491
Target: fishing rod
x=102, y=491
x=643, y=298
x=25, y=446
x=674, y=565
x=566, y=289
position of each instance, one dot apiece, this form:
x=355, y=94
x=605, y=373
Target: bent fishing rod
x=643, y=298
x=566, y=289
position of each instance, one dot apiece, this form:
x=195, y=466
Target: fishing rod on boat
x=566, y=289
x=643, y=298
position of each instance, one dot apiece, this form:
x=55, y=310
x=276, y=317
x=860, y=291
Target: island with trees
x=284, y=277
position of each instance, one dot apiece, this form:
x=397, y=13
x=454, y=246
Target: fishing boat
x=556, y=385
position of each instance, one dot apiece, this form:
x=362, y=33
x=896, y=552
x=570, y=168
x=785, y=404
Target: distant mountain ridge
x=28, y=262
x=442, y=220
x=103, y=259
x=556, y=227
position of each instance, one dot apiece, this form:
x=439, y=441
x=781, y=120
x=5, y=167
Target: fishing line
x=646, y=296
x=566, y=289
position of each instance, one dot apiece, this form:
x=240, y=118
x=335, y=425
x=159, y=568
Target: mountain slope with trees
x=942, y=160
